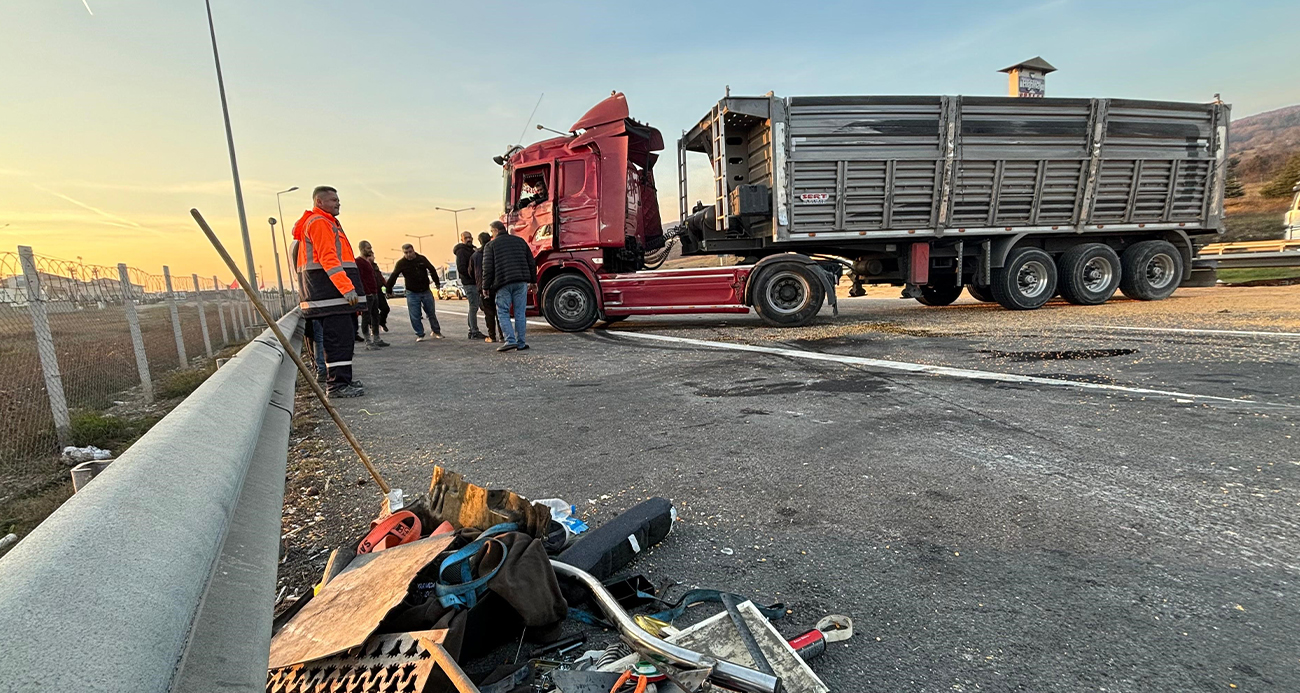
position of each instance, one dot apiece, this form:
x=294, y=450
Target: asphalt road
x=985, y=533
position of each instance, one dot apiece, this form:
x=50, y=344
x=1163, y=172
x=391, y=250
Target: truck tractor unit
x=1015, y=200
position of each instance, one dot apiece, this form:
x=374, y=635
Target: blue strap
x=465, y=592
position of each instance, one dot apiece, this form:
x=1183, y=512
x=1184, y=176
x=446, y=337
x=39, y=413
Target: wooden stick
x=307, y=375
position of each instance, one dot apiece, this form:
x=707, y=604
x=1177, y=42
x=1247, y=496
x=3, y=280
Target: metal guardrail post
x=45, y=344
x=164, y=567
x=137, y=339
x=203, y=316
x=176, y=318
x=216, y=289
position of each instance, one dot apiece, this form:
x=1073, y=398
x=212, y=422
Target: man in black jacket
x=508, y=270
x=487, y=299
x=416, y=270
x=463, y=252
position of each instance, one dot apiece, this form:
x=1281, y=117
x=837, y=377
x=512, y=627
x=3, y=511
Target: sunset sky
x=110, y=123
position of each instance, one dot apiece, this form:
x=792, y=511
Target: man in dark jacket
x=416, y=270
x=508, y=270
x=488, y=301
x=369, y=316
x=463, y=252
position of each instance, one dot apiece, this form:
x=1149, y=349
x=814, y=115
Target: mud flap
x=828, y=282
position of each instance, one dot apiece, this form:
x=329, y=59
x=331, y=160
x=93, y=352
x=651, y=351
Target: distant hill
x=1264, y=141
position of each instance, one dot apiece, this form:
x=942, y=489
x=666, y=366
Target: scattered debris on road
x=439, y=595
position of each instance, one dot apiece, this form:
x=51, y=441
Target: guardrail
x=1250, y=254
x=160, y=575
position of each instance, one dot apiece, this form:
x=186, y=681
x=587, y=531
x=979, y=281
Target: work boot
x=357, y=337
x=322, y=377
x=419, y=338
x=437, y=335
x=507, y=347
x=370, y=344
x=349, y=390
x=379, y=342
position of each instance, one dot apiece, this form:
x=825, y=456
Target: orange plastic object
x=443, y=528
x=399, y=528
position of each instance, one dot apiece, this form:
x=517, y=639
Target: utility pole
x=456, y=213
x=279, y=278
x=420, y=239
x=283, y=238
x=230, y=142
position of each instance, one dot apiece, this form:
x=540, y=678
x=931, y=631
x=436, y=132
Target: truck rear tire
x=982, y=294
x=569, y=303
x=788, y=294
x=1089, y=274
x=1152, y=270
x=939, y=295
x=1026, y=281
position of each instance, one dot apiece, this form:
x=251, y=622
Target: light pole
x=287, y=260
x=420, y=239
x=279, y=278
x=456, y=213
x=230, y=143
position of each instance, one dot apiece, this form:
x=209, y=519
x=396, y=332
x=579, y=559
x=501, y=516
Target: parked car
x=399, y=289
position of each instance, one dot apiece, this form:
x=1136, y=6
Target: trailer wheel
x=939, y=295
x=569, y=303
x=982, y=294
x=1151, y=270
x=1026, y=281
x=788, y=294
x=1089, y=274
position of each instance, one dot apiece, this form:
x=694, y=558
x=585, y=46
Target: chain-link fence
x=77, y=337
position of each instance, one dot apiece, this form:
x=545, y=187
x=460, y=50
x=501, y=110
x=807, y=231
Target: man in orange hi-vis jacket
x=330, y=285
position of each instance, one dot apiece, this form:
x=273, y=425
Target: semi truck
x=1015, y=200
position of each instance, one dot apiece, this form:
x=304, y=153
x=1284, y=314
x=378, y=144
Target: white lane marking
x=926, y=369
x=1188, y=330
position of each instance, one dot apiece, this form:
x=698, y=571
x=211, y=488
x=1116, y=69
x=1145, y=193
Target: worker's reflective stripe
x=353, y=265
x=328, y=302
x=337, y=363
x=313, y=265
x=335, y=270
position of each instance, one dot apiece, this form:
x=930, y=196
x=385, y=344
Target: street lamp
x=288, y=260
x=230, y=143
x=420, y=239
x=456, y=213
x=279, y=278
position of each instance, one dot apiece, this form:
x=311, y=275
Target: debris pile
x=443, y=592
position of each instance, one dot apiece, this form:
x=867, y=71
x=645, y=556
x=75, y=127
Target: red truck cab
x=587, y=205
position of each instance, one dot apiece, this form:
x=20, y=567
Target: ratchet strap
x=463, y=590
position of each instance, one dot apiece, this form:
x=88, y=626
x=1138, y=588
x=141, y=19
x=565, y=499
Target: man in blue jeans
x=508, y=270
x=417, y=271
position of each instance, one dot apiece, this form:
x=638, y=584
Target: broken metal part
x=746, y=635
x=691, y=680
x=394, y=663
x=453, y=499
x=351, y=605
x=724, y=674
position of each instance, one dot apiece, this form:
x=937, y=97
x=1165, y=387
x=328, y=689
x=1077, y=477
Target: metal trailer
x=1018, y=199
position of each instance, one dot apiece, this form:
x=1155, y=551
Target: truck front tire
x=788, y=294
x=1089, y=274
x=1026, y=281
x=1152, y=270
x=569, y=303
x=939, y=295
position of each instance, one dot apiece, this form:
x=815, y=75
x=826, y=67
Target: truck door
x=532, y=209
x=577, y=205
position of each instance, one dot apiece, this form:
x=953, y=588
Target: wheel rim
x=1032, y=279
x=1160, y=271
x=571, y=304
x=1098, y=273
x=787, y=292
